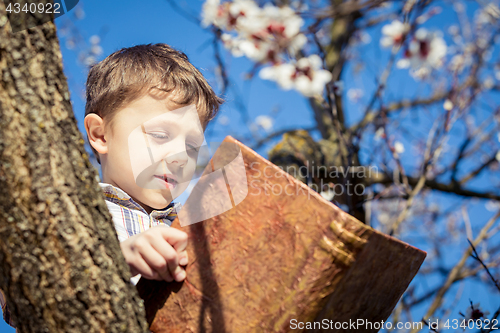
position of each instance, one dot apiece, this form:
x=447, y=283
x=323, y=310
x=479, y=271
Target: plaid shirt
x=129, y=219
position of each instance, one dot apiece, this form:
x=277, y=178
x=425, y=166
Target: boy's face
x=152, y=150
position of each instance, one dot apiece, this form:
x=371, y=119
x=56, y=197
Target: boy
x=147, y=107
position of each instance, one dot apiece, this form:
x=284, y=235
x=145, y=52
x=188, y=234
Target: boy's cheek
x=139, y=152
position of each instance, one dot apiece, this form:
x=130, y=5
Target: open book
x=268, y=254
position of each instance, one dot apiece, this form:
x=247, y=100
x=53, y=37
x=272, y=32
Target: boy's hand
x=157, y=253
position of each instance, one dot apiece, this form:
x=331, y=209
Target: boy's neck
x=145, y=207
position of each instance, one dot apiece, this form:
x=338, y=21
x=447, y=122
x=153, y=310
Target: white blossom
x=425, y=51
x=459, y=62
x=360, y=37
x=488, y=82
x=209, y=12
x=213, y=13
x=223, y=120
x=232, y=44
x=497, y=156
x=426, y=16
x=296, y=43
x=310, y=78
x=96, y=49
x=262, y=34
x=399, y=148
x=379, y=133
x=228, y=15
x=299, y=5
x=475, y=312
x=328, y=195
x=94, y=39
x=90, y=60
x=241, y=46
x=492, y=205
x=244, y=14
x=282, y=20
x=458, y=7
x=393, y=33
x=448, y=105
x=354, y=94
x=481, y=42
x=281, y=73
x=79, y=13
x=305, y=76
x=454, y=30
x=384, y=218
x=338, y=87
x=70, y=44
x=490, y=14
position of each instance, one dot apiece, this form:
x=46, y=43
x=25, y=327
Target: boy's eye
x=158, y=135
x=193, y=147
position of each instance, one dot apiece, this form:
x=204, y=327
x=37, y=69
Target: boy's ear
x=94, y=125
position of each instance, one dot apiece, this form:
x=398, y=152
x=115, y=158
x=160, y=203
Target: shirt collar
x=116, y=194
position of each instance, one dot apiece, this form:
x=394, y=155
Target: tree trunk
x=61, y=267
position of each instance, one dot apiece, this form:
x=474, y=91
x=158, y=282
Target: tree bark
x=61, y=266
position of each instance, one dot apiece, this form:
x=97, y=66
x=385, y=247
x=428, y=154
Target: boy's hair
x=130, y=73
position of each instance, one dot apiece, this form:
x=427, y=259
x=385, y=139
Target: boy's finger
x=179, y=274
x=171, y=257
x=175, y=242
x=183, y=258
x=175, y=237
x=168, y=253
x=157, y=256
x=143, y=268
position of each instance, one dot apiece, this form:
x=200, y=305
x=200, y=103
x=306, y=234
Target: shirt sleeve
x=121, y=230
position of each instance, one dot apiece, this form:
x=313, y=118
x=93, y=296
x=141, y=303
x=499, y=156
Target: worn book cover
x=268, y=253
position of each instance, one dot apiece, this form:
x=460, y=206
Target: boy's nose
x=179, y=158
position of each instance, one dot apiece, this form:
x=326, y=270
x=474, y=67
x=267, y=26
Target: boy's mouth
x=168, y=180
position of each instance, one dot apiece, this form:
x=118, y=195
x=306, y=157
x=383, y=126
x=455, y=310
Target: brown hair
x=130, y=73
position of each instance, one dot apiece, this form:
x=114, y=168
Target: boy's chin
x=158, y=201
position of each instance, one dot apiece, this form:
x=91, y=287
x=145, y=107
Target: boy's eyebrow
x=199, y=139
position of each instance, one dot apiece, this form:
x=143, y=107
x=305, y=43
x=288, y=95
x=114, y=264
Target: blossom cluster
x=425, y=51
x=305, y=76
x=394, y=34
x=261, y=34
x=268, y=35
